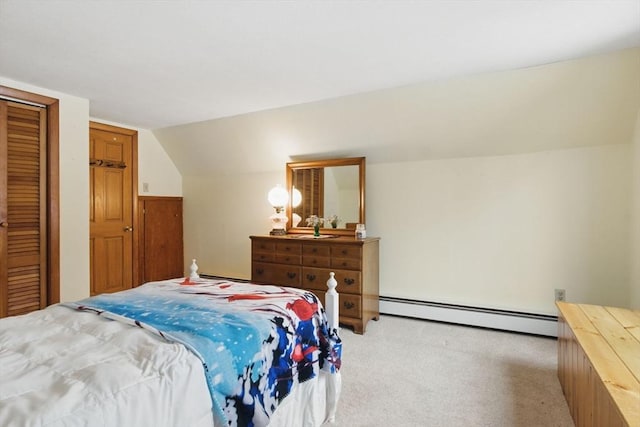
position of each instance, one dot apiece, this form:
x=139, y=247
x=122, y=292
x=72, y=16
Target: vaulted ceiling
x=155, y=64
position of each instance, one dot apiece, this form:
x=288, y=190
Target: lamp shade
x=278, y=196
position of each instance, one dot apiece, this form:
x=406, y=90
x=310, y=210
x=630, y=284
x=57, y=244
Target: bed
x=181, y=352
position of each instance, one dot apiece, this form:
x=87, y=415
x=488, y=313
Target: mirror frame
x=350, y=161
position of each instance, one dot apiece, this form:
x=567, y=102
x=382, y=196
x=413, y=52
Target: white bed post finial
x=331, y=302
x=193, y=275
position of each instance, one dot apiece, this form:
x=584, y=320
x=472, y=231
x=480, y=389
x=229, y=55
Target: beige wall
x=635, y=219
x=156, y=168
x=499, y=232
x=505, y=231
x=489, y=190
x=220, y=213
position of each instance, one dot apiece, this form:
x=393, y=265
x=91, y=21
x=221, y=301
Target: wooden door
x=161, y=244
x=23, y=208
x=112, y=167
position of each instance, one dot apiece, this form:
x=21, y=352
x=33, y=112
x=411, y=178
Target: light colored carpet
x=408, y=372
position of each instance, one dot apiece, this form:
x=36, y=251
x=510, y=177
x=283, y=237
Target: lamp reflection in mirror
x=278, y=198
x=296, y=199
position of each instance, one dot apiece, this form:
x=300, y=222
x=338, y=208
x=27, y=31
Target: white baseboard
x=536, y=324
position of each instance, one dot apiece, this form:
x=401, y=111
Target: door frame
x=53, y=183
x=134, y=190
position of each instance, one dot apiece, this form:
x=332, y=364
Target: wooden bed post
x=331, y=302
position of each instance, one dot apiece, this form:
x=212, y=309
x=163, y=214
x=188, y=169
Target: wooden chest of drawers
x=305, y=263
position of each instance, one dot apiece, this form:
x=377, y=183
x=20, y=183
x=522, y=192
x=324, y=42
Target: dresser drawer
x=316, y=250
x=263, y=256
x=349, y=305
x=348, y=263
x=346, y=251
x=288, y=275
x=261, y=273
x=277, y=274
x=263, y=246
x=285, y=258
x=316, y=278
x=316, y=255
x=316, y=261
x=349, y=282
x=291, y=248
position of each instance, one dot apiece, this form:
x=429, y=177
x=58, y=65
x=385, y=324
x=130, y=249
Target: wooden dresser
x=305, y=263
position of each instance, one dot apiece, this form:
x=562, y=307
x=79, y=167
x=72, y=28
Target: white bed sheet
x=60, y=367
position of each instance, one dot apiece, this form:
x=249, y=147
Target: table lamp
x=278, y=198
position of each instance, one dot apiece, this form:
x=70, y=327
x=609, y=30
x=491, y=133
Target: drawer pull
x=259, y=271
x=287, y=259
x=314, y=250
x=344, y=264
x=349, y=281
x=311, y=277
x=263, y=256
x=344, y=252
x=291, y=275
x=349, y=305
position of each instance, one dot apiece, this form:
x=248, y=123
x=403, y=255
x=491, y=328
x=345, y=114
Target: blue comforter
x=255, y=341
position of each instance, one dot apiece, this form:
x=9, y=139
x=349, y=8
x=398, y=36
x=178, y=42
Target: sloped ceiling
x=154, y=64
x=161, y=65
x=586, y=102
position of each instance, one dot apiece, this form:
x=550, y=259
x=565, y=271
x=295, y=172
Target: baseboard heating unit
x=536, y=324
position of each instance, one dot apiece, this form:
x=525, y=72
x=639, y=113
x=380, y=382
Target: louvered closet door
x=22, y=208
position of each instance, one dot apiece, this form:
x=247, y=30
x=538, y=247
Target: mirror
x=330, y=189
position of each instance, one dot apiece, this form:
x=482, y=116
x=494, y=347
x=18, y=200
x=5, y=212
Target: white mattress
x=59, y=367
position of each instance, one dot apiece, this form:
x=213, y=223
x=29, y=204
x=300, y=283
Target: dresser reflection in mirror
x=329, y=189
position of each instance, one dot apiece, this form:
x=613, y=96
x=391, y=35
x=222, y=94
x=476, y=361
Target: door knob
x=4, y=224
x=128, y=228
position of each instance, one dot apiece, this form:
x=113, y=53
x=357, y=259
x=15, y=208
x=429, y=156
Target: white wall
x=635, y=215
x=499, y=232
x=156, y=168
x=220, y=213
x=74, y=190
x=490, y=190
x=504, y=231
